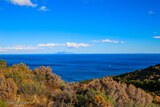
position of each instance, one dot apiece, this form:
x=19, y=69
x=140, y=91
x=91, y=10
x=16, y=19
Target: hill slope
x=20, y=86
x=147, y=79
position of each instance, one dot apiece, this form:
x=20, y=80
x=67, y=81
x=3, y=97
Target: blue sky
x=79, y=26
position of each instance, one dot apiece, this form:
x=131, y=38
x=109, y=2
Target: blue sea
x=77, y=67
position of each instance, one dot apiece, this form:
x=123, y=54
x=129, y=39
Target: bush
x=19, y=73
x=8, y=88
x=42, y=88
x=31, y=87
x=16, y=75
x=3, y=104
x=44, y=74
x=93, y=98
x=3, y=64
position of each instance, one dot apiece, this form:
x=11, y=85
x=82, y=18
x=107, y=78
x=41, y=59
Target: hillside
x=147, y=79
x=20, y=86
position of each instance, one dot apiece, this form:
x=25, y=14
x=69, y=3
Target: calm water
x=78, y=67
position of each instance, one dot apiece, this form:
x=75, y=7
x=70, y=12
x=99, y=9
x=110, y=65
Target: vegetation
x=147, y=79
x=3, y=64
x=20, y=86
x=3, y=104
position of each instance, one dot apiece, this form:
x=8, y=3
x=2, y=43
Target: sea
x=78, y=67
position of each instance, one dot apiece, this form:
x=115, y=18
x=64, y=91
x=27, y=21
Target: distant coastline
x=75, y=53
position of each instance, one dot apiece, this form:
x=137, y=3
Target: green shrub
x=30, y=87
x=3, y=64
x=93, y=98
x=3, y=104
x=18, y=77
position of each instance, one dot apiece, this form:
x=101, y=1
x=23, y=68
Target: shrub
x=18, y=72
x=31, y=87
x=8, y=88
x=3, y=104
x=3, y=64
x=93, y=98
x=44, y=74
x=16, y=75
x=42, y=88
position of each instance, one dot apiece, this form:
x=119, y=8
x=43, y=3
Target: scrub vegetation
x=21, y=86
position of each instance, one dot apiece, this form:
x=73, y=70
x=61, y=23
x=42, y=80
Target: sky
x=79, y=26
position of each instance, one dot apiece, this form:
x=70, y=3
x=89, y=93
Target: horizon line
x=67, y=53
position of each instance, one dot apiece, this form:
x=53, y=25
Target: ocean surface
x=77, y=67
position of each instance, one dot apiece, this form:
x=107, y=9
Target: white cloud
x=23, y=3
x=50, y=45
x=2, y=50
x=76, y=45
x=108, y=41
x=42, y=46
x=43, y=8
x=67, y=44
x=156, y=37
x=17, y=48
x=21, y=48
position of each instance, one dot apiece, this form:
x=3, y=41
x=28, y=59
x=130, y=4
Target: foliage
x=42, y=88
x=31, y=87
x=92, y=97
x=3, y=104
x=147, y=79
x=3, y=64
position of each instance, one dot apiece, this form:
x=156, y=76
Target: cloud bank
x=108, y=41
x=76, y=45
x=50, y=45
x=17, y=48
x=43, y=46
x=28, y=3
x=23, y=3
x=156, y=37
x=67, y=44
